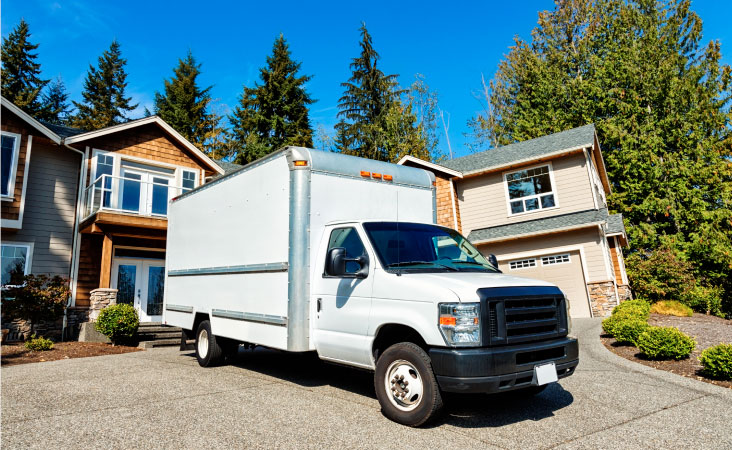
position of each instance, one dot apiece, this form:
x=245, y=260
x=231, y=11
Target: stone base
x=602, y=298
x=89, y=334
x=100, y=299
x=624, y=293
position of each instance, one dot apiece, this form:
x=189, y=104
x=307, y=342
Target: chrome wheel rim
x=403, y=385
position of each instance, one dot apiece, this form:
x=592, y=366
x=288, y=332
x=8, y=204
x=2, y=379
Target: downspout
x=454, y=205
x=75, y=244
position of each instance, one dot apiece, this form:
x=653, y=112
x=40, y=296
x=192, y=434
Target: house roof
x=43, y=129
x=615, y=224
x=228, y=166
x=563, y=222
x=146, y=121
x=62, y=130
x=576, y=138
x=411, y=160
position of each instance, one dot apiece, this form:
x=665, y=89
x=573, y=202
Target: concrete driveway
x=163, y=399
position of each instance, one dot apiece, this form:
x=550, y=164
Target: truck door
x=343, y=304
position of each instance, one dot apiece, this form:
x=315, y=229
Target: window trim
x=558, y=257
x=523, y=260
x=10, y=196
x=28, y=259
x=505, y=175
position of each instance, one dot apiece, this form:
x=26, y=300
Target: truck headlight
x=460, y=324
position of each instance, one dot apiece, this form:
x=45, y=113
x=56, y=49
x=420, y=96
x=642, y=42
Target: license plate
x=544, y=374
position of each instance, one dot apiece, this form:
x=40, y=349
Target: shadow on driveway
x=461, y=410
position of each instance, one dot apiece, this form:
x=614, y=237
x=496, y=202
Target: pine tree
x=186, y=107
x=368, y=96
x=275, y=113
x=56, y=103
x=104, y=103
x=21, y=74
x=661, y=104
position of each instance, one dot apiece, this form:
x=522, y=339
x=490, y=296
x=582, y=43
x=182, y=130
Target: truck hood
x=465, y=284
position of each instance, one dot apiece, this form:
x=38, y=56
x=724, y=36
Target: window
x=554, y=259
x=347, y=238
x=522, y=264
x=188, y=180
x=9, y=163
x=15, y=261
x=103, y=187
x=530, y=190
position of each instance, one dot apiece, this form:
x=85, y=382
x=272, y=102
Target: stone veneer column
x=624, y=293
x=602, y=298
x=100, y=299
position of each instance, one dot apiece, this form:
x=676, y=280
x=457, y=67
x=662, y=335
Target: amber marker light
x=301, y=163
x=388, y=178
x=365, y=174
x=447, y=320
x=376, y=175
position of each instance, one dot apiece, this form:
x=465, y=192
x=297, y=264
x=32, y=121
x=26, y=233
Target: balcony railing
x=134, y=194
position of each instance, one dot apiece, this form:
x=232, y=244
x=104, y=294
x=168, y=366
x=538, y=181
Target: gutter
x=75, y=244
x=536, y=233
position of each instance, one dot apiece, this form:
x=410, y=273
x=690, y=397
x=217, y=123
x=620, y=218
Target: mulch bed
x=14, y=354
x=708, y=332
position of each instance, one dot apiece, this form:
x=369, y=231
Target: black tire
x=406, y=357
x=208, y=352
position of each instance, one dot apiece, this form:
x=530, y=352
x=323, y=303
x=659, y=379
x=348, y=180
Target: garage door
x=562, y=269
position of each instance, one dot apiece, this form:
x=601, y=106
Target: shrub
x=118, y=322
x=38, y=344
x=704, y=299
x=665, y=343
x=717, y=361
x=626, y=331
x=36, y=298
x=660, y=274
x=671, y=308
x=635, y=308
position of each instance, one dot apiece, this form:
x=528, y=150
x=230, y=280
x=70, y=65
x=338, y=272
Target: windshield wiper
x=409, y=263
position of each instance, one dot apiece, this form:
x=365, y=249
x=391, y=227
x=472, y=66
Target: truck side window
x=349, y=239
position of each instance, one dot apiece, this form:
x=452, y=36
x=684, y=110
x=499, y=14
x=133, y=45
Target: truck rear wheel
x=406, y=386
x=208, y=351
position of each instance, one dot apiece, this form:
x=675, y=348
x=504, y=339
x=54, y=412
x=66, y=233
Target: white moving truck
x=306, y=250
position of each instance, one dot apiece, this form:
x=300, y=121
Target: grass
x=671, y=308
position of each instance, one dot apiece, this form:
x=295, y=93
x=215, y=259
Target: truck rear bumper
x=499, y=369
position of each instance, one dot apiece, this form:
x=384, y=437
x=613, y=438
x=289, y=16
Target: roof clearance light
x=300, y=163
x=388, y=178
x=365, y=174
x=376, y=175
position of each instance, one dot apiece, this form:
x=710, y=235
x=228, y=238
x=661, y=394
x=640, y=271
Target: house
x=540, y=206
x=92, y=206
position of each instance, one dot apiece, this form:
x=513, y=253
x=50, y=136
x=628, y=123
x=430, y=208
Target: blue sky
x=451, y=43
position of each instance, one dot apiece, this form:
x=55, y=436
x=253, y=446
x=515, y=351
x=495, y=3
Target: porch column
x=106, y=272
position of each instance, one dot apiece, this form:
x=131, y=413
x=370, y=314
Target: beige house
x=540, y=206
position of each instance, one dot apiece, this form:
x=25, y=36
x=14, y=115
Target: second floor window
x=530, y=190
x=10, y=145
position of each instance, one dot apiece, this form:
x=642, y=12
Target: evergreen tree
x=275, y=113
x=21, y=74
x=104, y=103
x=661, y=104
x=56, y=108
x=186, y=107
x=369, y=95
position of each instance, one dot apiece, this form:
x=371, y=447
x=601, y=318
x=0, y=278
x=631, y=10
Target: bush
x=660, y=274
x=36, y=298
x=118, y=322
x=634, y=308
x=626, y=331
x=665, y=343
x=38, y=344
x=671, y=308
x=717, y=361
x=707, y=300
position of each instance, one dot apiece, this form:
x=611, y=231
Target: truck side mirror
x=335, y=264
x=493, y=260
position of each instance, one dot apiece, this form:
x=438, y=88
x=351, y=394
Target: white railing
x=130, y=196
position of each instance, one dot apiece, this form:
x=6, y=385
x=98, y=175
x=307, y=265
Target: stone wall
x=602, y=298
x=100, y=299
x=20, y=330
x=624, y=293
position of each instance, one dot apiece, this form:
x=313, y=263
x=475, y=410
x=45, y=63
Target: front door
x=140, y=282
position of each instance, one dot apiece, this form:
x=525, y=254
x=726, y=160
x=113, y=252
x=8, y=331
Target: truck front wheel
x=208, y=351
x=405, y=385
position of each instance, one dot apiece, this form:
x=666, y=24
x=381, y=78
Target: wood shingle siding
x=50, y=207
x=90, y=259
x=10, y=210
x=483, y=198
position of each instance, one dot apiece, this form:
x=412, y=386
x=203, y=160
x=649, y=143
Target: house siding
x=446, y=199
x=10, y=210
x=50, y=207
x=482, y=199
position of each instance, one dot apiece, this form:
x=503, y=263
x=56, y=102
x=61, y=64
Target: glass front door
x=141, y=283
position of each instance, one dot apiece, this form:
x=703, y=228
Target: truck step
x=161, y=335
x=157, y=329
x=159, y=343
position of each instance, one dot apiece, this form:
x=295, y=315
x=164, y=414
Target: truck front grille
x=517, y=315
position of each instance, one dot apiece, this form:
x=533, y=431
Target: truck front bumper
x=498, y=369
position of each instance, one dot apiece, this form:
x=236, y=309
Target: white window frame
x=547, y=164
x=528, y=263
x=180, y=179
x=556, y=259
x=13, y=166
x=28, y=259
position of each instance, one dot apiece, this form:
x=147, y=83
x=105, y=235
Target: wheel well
x=200, y=317
x=391, y=334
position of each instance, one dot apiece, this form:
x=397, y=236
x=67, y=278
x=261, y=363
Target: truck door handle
x=320, y=304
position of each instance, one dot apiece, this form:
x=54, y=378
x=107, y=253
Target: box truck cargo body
x=306, y=250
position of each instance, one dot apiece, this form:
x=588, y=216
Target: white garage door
x=563, y=269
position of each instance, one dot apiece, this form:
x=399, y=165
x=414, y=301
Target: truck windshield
x=419, y=247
